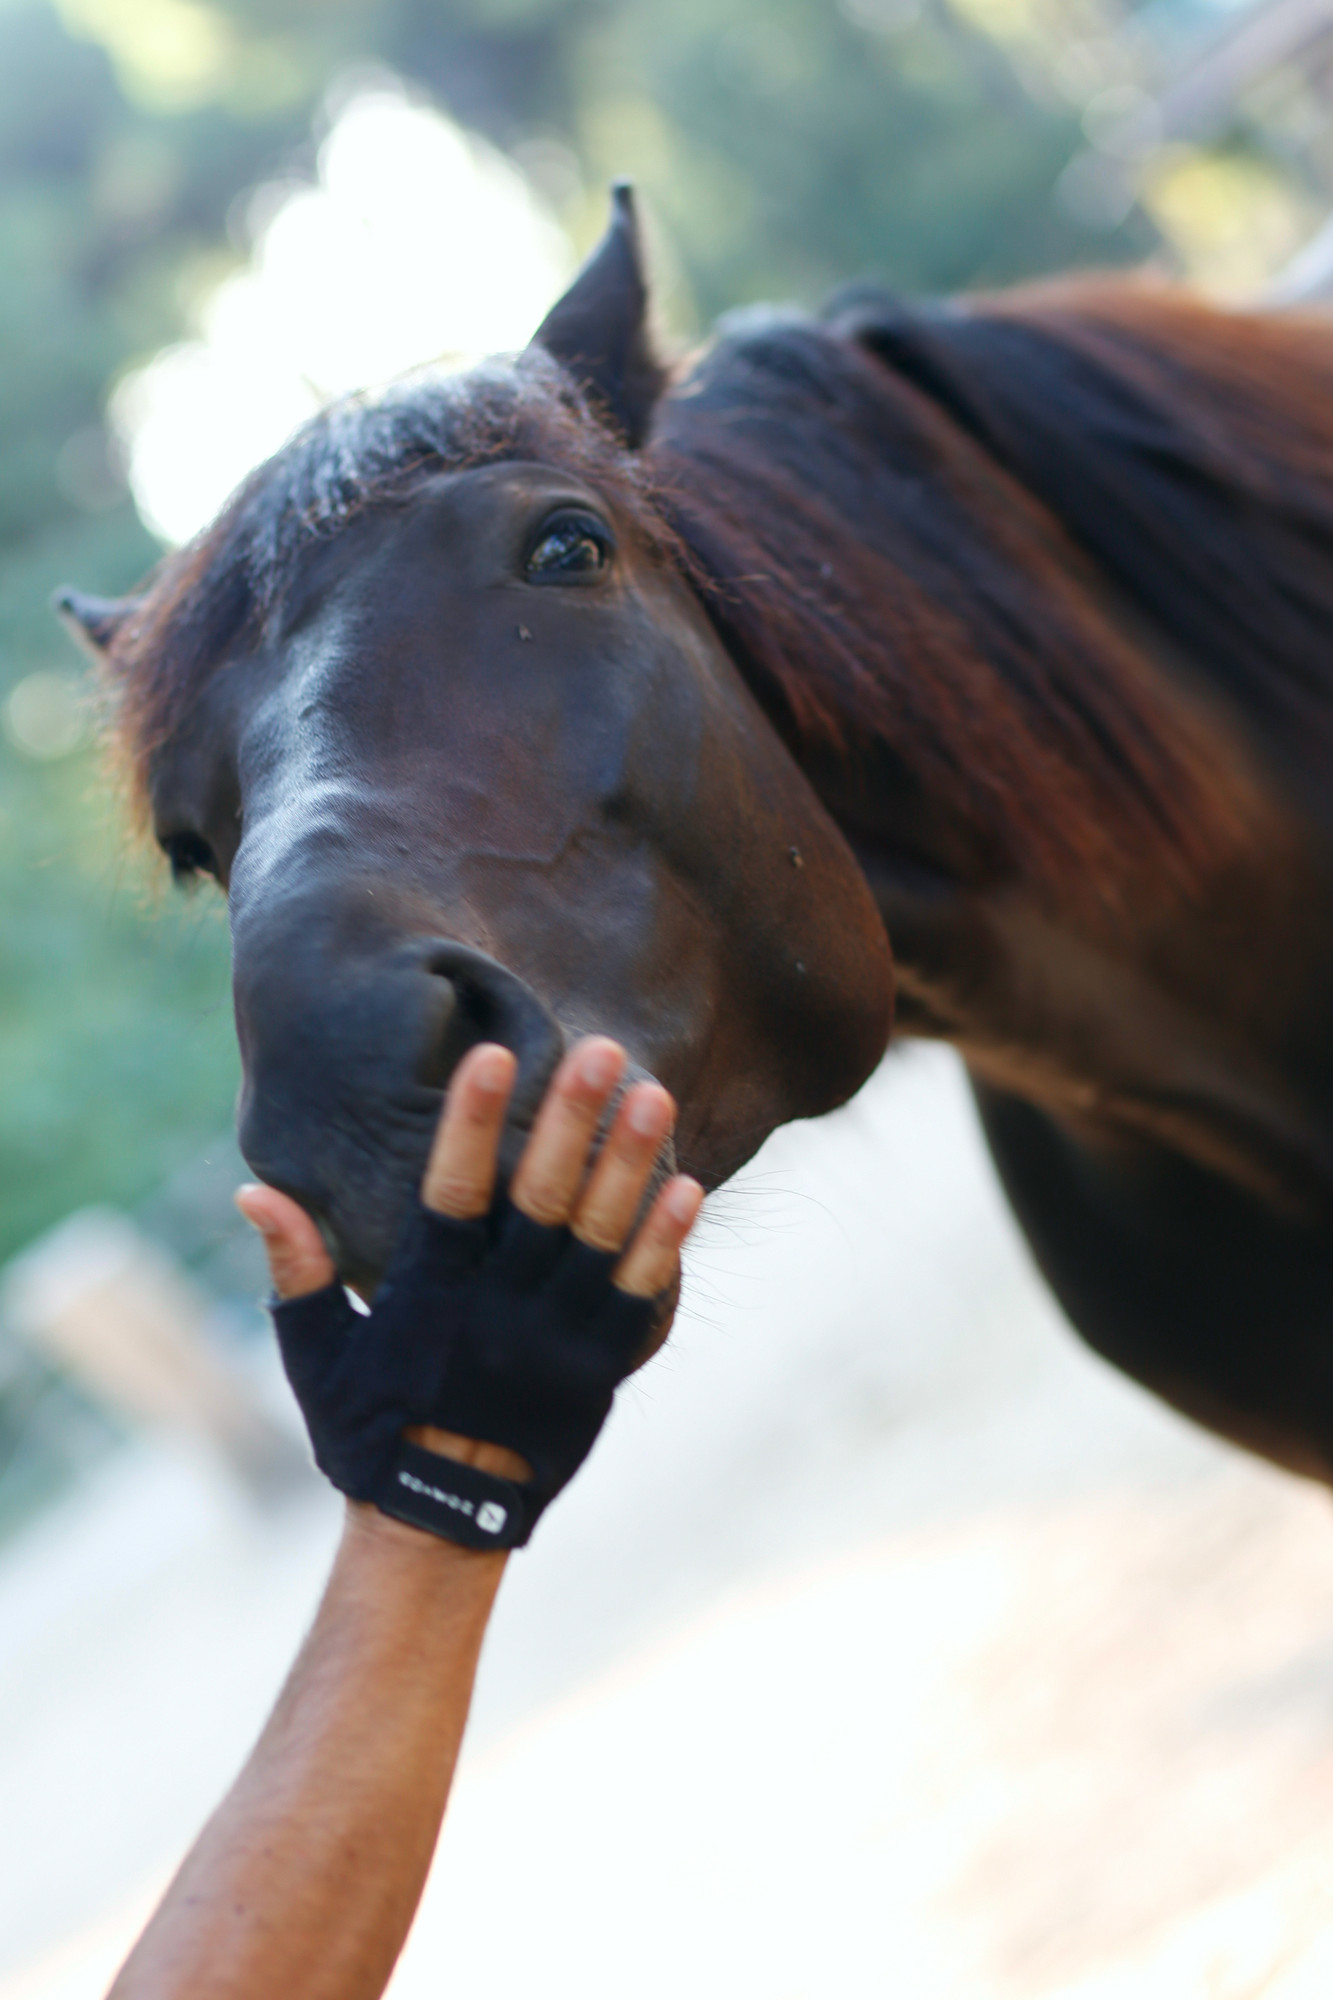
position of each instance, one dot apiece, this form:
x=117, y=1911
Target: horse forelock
x=213, y=595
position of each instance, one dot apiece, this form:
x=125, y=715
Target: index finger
x=460, y=1175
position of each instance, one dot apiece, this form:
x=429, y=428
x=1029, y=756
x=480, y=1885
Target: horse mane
x=911, y=528
x=914, y=525
x=1188, y=451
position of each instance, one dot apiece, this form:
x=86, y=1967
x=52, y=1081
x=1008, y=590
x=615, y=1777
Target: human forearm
x=304, y=1883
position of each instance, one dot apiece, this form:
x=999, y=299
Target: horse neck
x=974, y=690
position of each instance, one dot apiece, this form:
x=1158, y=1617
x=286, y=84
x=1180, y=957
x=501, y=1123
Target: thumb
x=297, y=1260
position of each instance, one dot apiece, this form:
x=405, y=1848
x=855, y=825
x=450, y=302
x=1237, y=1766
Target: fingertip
x=489, y=1067
x=249, y=1199
x=298, y=1260
x=598, y=1062
x=682, y=1198
x=273, y=1213
x=650, y=1110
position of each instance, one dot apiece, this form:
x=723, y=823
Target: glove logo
x=491, y=1516
x=453, y=1500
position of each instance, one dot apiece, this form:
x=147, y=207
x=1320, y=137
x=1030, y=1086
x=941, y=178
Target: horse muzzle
x=345, y=1062
x=346, y=1065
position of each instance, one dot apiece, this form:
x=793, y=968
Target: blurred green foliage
x=784, y=144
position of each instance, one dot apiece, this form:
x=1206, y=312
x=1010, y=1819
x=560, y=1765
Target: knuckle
x=580, y=1116
x=541, y=1202
x=454, y=1194
x=599, y=1231
x=642, y=1280
x=628, y=1148
x=478, y=1116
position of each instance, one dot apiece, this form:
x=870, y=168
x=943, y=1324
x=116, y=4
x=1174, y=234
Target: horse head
x=438, y=705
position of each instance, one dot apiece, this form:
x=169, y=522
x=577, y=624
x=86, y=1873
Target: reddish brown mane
x=1187, y=449
x=881, y=571
x=926, y=554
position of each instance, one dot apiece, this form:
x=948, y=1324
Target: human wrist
x=369, y=1524
x=374, y=1539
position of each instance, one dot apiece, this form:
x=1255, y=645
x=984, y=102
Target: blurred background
x=212, y=217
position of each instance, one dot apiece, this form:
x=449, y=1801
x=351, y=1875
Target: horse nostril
x=471, y=1014
x=342, y=1078
x=488, y=1003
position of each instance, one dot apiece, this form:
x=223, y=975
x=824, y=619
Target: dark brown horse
x=577, y=693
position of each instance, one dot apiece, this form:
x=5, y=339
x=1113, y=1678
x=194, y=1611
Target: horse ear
x=93, y=621
x=597, y=331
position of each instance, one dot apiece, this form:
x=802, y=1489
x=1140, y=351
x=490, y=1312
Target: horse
x=981, y=648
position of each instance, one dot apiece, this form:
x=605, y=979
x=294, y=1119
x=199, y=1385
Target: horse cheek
x=805, y=945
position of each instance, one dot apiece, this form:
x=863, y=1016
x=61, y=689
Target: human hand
x=521, y=1323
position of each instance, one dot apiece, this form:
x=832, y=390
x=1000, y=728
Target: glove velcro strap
x=457, y=1501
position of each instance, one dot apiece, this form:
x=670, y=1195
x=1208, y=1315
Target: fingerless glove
x=499, y=1329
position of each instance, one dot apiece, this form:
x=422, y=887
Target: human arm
x=303, y=1884
x=305, y=1881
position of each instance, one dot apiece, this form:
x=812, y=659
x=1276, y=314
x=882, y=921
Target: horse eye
x=189, y=856
x=573, y=546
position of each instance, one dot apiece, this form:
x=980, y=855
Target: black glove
x=499, y=1329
